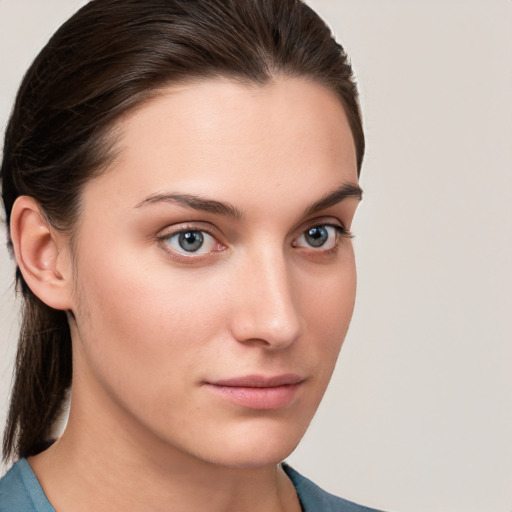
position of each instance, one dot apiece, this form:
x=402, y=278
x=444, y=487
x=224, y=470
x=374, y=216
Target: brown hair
x=104, y=61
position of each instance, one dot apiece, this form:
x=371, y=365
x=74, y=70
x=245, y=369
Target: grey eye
x=323, y=237
x=317, y=236
x=190, y=241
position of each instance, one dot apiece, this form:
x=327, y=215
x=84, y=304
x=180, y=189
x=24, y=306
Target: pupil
x=191, y=240
x=317, y=236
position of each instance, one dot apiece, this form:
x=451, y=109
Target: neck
x=100, y=466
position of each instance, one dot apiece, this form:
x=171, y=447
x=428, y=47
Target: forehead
x=222, y=137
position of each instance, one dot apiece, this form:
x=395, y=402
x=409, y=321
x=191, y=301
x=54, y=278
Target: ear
x=42, y=254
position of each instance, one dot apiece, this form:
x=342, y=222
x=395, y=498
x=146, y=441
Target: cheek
x=141, y=326
x=328, y=303
x=329, y=296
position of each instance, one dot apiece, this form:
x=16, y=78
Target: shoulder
x=20, y=491
x=315, y=499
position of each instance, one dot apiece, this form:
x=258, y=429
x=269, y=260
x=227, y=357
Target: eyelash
x=193, y=256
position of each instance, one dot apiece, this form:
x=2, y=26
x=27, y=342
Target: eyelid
x=187, y=226
x=194, y=225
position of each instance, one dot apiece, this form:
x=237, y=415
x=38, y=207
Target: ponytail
x=42, y=378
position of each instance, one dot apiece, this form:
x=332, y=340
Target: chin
x=253, y=458
x=263, y=446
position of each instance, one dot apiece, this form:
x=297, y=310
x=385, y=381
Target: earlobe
x=41, y=254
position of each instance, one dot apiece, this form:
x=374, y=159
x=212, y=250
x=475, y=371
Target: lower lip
x=270, y=398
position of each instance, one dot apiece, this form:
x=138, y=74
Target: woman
x=180, y=179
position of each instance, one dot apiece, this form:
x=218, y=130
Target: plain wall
x=418, y=416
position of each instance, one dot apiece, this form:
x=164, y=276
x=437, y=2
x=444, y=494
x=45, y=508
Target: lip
x=257, y=391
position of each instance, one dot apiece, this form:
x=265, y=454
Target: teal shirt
x=20, y=491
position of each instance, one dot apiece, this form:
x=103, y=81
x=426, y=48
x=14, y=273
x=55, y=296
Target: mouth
x=257, y=391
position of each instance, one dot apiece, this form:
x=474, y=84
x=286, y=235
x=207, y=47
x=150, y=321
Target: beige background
x=419, y=413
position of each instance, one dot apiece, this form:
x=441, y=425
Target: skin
x=156, y=325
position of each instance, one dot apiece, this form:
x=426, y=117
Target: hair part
x=109, y=58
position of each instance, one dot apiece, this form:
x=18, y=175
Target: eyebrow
x=347, y=190
x=196, y=203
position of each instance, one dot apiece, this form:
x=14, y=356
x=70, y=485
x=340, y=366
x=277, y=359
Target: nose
x=265, y=310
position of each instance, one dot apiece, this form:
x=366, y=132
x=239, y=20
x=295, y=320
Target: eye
x=190, y=242
x=324, y=236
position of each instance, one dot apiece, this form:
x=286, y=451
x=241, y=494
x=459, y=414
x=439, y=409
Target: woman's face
x=214, y=278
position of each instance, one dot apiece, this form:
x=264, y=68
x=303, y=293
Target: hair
x=107, y=59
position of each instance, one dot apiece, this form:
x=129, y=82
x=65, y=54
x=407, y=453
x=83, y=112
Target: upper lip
x=259, y=381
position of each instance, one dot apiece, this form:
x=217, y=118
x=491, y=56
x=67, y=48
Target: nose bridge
x=266, y=309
